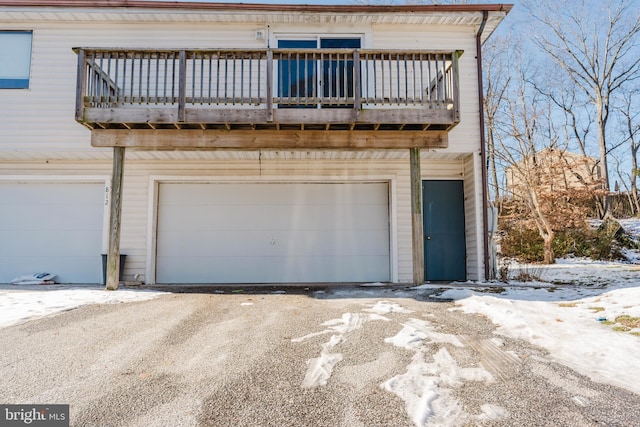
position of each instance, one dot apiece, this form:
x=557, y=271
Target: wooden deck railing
x=118, y=87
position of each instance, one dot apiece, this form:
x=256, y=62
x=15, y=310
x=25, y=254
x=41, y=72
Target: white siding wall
x=42, y=118
x=138, y=176
x=473, y=216
x=465, y=137
x=39, y=136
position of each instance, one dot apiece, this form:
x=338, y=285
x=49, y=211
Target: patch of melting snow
x=426, y=386
x=319, y=369
x=415, y=332
x=386, y=307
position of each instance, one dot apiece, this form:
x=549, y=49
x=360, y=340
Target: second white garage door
x=270, y=233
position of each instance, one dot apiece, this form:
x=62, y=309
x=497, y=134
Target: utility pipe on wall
x=483, y=150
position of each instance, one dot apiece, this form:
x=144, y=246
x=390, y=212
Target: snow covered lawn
x=586, y=314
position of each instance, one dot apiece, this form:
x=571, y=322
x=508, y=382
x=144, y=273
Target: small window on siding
x=15, y=59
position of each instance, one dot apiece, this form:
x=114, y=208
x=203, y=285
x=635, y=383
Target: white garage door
x=54, y=228
x=270, y=233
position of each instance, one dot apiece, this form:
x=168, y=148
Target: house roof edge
x=191, y=5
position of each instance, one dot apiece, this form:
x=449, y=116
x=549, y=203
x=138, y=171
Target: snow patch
x=570, y=331
x=415, y=332
x=19, y=306
x=319, y=369
x=425, y=388
x=387, y=307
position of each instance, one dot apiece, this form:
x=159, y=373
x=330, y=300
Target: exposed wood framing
x=113, y=255
x=416, y=216
x=213, y=139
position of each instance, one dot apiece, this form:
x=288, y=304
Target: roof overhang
x=258, y=14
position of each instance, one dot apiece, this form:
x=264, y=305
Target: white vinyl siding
x=52, y=96
x=42, y=120
x=39, y=134
x=465, y=137
x=143, y=168
x=473, y=217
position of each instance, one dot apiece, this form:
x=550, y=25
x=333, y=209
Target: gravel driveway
x=368, y=357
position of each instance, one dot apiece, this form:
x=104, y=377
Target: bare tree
x=596, y=43
x=630, y=115
x=497, y=78
x=553, y=184
x=518, y=139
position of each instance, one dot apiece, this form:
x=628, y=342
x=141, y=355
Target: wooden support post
x=182, y=85
x=456, y=84
x=416, y=217
x=269, y=86
x=357, y=84
x=81, y=82
x=113, y=256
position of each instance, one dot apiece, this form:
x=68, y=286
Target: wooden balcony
x=321, y=92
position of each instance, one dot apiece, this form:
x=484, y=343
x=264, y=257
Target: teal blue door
x=444, y=234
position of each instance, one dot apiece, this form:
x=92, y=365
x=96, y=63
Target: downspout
x=483, y=150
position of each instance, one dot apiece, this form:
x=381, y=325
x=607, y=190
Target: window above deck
x=291, y=87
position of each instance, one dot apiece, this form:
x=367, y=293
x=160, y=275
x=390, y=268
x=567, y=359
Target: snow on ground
x=585, y=314
x=19, y=304
x=427, y=387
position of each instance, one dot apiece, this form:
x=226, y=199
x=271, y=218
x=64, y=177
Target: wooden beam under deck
x=220, y=139
x=146, y=115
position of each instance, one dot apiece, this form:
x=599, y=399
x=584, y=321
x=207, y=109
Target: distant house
x=263, y=143
x=554, y=170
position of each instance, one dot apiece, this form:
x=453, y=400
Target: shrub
x=521, y=243
x=604, y=243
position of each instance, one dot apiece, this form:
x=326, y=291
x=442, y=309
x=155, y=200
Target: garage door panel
x=209, y=243
x=30, y=217
x=68, y=242
x=86, y=269
x=179, y=218
x=291, y=243
x=52, y=227
x=264, y=233
x=272, y=270
x=211, y=217
x=48, y=194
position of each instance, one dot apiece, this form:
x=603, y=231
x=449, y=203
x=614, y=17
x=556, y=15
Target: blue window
x=338, y=74
x=15, y=59
x=297, y=78
x=304, y=78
